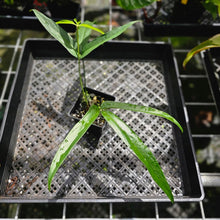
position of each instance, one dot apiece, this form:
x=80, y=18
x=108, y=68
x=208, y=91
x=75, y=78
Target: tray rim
x=24, y=53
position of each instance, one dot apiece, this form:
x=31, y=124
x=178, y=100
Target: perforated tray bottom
x=104, y=169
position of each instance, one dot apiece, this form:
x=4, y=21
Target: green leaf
x=144, y=154
x=213, y=6
x=71, y=139
x=91, y=27
x=210, y=43
x=139, y=108
x=104, y=38
x=66, y=22
x=134, y=4
x=84, y=34
x=9, y=2
x=57, y=32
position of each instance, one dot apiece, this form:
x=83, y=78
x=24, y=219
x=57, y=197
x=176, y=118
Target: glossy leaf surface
x=144, y=154
x=104, y=38
x=210, y=43
x=139, y=108
x=86, y=25
x=71, y=139
x=84, y=34
x=213, y=6
x=66, y=22
x=134, y=4
x=57, y=32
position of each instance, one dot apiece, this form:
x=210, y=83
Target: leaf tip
x=184, y=64
x=170, y=195
x=181, y=129
x=172, y=199
x=178, y=125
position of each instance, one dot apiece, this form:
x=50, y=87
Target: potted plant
x=184, y=11
x=180, y=17
x=80, y=47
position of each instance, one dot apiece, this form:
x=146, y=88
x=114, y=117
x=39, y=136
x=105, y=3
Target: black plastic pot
x=79, y=106
x=189, y=13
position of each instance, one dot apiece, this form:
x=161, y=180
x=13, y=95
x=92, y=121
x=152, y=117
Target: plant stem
x=79, y=68
x=84, y=74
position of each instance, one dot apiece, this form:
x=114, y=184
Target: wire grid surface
x=177, y=210
x=103, y=168
x=216, y=62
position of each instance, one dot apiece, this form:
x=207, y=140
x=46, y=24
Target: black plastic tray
x=195, y=30
x=108, y=172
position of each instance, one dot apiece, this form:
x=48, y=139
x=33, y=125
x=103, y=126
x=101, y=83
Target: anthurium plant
x=80, y=47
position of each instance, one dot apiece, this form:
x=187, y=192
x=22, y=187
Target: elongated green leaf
x=57, y=32
x=71, y=139
x=104, y=38
x=84, y=34
x=139, y=108
x=91, y=27
x=134, y=4
x=210, y=43
x=142, y=151
x=65, y=22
